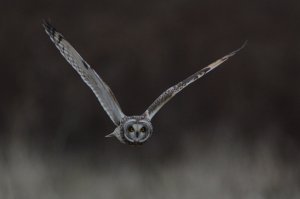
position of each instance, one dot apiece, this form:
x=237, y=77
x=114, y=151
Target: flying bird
x=132, y=130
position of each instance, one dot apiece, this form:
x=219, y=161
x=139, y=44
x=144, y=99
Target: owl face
x=136, y=130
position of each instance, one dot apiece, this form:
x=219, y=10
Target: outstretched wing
x=171, y=92
x=89, y=76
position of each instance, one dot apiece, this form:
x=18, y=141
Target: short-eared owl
x=133, y=130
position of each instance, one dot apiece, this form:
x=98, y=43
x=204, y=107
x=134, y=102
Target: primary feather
x=172, y=91
x=89, y=76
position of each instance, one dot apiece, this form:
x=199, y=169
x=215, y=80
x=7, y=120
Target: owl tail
x=110, y=135
x=117, y=134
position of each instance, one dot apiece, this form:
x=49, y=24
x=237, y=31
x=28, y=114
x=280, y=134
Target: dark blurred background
x=232, y=134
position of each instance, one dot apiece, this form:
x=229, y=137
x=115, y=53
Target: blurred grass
x=219, y=171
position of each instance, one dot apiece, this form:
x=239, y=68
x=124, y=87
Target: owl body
x=132, y=130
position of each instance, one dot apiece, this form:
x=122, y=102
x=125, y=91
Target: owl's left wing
x=172, y=91
x=87, y=73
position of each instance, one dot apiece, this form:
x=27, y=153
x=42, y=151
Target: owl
x=132, y=130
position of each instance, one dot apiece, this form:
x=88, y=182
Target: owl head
x=134, y=130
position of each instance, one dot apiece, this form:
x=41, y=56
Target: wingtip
x=45, y=23
x=237, y=50
x=244, y=44
x=48, y=27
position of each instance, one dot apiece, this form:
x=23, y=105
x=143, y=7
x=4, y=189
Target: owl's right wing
x=89, y=76
x=172, y=91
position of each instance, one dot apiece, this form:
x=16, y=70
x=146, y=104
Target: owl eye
x=143, y=129
x=130, y=129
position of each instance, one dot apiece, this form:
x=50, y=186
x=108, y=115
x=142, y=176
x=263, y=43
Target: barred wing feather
x=172, y=91
x=89, y=76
